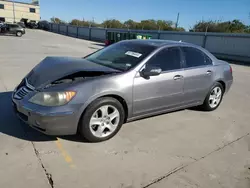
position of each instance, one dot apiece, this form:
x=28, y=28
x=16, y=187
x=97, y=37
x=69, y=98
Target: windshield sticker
x=134, y=54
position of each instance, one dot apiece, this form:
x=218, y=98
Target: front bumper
x=56, y=123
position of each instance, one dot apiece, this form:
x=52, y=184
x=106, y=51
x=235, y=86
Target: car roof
x=158, y=43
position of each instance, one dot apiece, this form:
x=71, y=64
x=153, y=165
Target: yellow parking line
x=64, y=153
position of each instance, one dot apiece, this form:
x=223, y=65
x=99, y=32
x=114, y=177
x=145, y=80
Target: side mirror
x=151, y=71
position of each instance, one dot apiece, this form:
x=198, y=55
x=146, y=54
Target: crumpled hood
x=53, y=68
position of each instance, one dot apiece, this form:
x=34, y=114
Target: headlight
x=52, y=98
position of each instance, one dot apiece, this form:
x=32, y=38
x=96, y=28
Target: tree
x=164, y=25
x=234, y=26
x=237, y=26
x=83, y=23
x=57, y=20
x=130, y=24
x=112, y=24
x=179, y=29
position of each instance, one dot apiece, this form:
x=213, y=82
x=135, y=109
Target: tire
x=207, y=106
x=90, y=131
x=19, y=34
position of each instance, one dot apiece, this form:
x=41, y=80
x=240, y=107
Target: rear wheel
x=19, y=34
x=214, y=97
x=102, y=120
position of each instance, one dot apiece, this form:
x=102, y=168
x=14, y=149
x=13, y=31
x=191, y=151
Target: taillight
x=231, y=70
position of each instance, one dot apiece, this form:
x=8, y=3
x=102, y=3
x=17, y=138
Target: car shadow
x=94, y=48
x=7, y=35
x=98, y=44
x=10, y=124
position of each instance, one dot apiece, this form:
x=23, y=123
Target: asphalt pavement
x=187, y=148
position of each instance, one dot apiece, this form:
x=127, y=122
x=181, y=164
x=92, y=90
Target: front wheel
x=102, y=120
x=214, y=97
x=19, y=34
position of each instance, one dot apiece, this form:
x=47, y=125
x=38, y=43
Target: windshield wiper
x=106, y=65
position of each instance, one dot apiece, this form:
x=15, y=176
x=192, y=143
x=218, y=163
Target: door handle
x=178, y=77
x=209, y=72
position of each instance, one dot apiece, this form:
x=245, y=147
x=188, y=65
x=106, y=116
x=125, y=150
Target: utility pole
x=93, y=21
x=177, y=21
x=14, y=16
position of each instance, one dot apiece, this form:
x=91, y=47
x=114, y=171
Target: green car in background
x=113, y=37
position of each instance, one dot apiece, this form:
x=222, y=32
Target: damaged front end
x=64, y=70
x=77, y=77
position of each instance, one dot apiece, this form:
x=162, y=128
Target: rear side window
x=14, y=26
x=208, y=61
x=195, y=57
x=1, y=6
x=167, y=59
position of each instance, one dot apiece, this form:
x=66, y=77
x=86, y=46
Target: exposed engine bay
x=78, y=76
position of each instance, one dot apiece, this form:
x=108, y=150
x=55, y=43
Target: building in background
x=15, y=11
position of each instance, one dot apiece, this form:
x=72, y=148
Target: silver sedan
x=126, y=81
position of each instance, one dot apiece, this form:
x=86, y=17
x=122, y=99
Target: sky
x=190, y=11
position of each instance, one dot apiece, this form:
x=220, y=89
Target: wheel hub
x=104, y=121
x=215, y=97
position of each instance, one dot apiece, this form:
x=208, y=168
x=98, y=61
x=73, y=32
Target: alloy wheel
x=215, y=97
x=104, y=121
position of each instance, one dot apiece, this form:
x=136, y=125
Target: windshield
x=122, y=56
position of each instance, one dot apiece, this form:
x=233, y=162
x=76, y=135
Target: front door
x=13, y=28
x=198, y=76
x=163, y=91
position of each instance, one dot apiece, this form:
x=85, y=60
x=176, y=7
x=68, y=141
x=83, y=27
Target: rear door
x=198, y=76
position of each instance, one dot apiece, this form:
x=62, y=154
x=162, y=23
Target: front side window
x=1, y=6
x=33, y=10
x=195, y=57
x=167, y=59
x=121, y=56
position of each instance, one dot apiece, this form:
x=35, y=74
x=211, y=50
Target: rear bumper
x=60, y=123
x=228, y=85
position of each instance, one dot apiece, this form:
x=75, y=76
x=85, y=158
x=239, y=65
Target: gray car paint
x=142, y=97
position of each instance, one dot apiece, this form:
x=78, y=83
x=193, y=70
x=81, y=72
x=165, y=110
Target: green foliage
x=130, y=24
x=234, y=26
x=57, y=20
x=150, y=25
x=112, y=24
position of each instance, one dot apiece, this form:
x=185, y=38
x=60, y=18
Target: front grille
x=21, y=84
x=23, y=90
